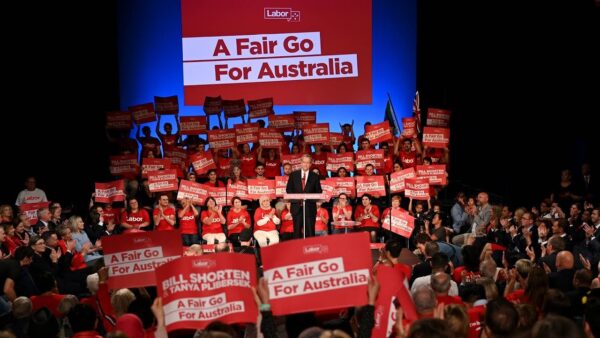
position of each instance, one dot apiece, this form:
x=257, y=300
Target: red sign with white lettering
x=199, y=290
x=110, y=192
x=417, y=188
x=317, y=273
x=132, y=258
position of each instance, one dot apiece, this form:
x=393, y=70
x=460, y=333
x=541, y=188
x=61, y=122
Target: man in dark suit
x=304, y=181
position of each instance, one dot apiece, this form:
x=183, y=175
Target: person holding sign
x=212, y=220
x=368, y=216
x=304, y=181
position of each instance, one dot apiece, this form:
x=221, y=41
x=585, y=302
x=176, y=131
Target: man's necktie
x=303, y=181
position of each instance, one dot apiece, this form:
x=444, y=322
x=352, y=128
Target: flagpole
x=394, y=117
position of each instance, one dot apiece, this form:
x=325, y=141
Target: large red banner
x=317, y=273
x=392, y=293
x=258, y=188
x=280, y=51
x=132, y=258
x=199, y=290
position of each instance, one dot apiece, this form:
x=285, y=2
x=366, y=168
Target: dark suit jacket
x=313, y=186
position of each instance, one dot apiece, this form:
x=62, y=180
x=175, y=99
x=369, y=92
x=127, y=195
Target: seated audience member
x=212, y=222
x=265, y=223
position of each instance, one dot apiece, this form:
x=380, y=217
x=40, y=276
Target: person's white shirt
x=31, y=196
x=304, y=176
x=426, y=280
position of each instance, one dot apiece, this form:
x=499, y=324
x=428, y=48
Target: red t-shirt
x=169, y=140
x=388, y=164
x=322, y=225
x=408, y=159
x=50, y=301
x=234, y=218
x=224, y=166
x=187, y=223
x=447, y=300
x=368, y=222
x=214, y=227
x=150, y=144
x=248, y=165
x=258, y=215
x=341, y=215
x=476, y=317
x=111, y=215
x=287, y=226
x=163, y=224
x=272, y=168
x=320, y=162
x=135, y=218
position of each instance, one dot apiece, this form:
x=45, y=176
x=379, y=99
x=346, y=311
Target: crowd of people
x=484, y=269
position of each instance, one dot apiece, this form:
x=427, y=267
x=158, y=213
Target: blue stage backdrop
x=150, y=60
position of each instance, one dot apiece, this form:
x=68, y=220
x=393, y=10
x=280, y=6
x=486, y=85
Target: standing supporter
x=272, y=163
x=212, y=220
x=188, y=226
x=212, y=179
x=164, y=214
x=169, y=138
x=409, y=157
x=150, y=145
x=247, y=159
x=30, y=194
x=348, y=132
x=238, y=219
x=319, y=160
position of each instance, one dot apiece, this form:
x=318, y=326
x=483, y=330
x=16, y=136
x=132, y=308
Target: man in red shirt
x=164, y=214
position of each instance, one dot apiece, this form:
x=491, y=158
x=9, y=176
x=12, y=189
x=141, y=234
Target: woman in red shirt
x=134, y=218
x=265, y=223
x=238, y=219
x=342, y=211
x=247, y=158
x=188, y=226
x=272, y=163
x=212, y=179
x=212, y=220
x=368, y=216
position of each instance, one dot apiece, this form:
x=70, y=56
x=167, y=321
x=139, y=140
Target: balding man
x=440, y=284
x=562, y=279
x=425, y=301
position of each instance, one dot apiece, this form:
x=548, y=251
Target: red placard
x=221, y=138
x=317, y=273
x=143, y=113
x=199, y=290
x=132, y=258
x=373, y=185
x=436, y=137
x=234, y=108
x=203, y=162
x=437, y=117
x=110, y=192
x=152, y=164
x=397, y=179
x=279, y=50
x=258, y=188
x=409, y=127
x=195, y=191
x=335, y=139
x=176, y=155
x=192, y=125
x=280, y=185
x=162, y=180
x=436, y=174
x=260, y=108
x=392, y=288
x=328, y=188
x=316, y=133
x=336, y=161
x=239, y=189
x=270, y=138
x=246, y=133
x=118, y=120
x=374, y=157
x=344, y=185
x=167, y=105
x=417, y=188
x=399, y=222
x=283, y=123
x=124, y=165
x=212, y=105
x=304, y=118
x=294, y=159
x=30, y=210
x=220, y=194
x=379, y=132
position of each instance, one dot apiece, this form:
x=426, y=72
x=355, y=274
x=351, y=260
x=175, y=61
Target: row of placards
x=313, y=274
